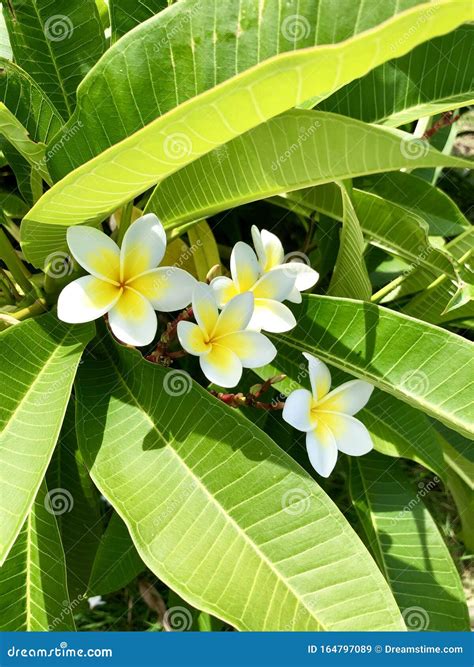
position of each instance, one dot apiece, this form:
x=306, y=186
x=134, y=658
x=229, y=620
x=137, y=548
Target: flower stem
x=14, y=264
x=250, y=399
x=160, y=354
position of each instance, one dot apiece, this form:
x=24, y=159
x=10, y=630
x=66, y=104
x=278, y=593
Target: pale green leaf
x=204, y=248
x=33, y=589
x=248, y=99
x=407, y=545
x=38, y=362
x=431, y=79
x=350, y=277
x=17, y=135
x=209, y=501
x=116, y=562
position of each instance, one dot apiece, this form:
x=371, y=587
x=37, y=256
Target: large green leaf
x=180, y=136
x=127, y=14
x=421, y=198
x=38, y=363
x=193, y=47
x=33, y=589
x=430, y=79
x=116, y=562
x=350, y=277
x=407, y=545
x=56, y=43
x=297, y=149
x=426, y=366
x=216, y=509
x=385, y=224
x=82, y=524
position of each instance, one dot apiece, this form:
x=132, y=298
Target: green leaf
x=127, y=14
x=421, y=198
x=204, y=248
x=430, y=79
x=5, y=46
x=426, y=366
x=209, y=501
x=56, y=43
x=407, y=545
x=385, y=224
x=17, y=135
x=81, y=525
x=33, y=588
x=193, y=46
x=116, y=562
x=33, y=109
x=38, y=363
x=248, y=99
x=350, y=277
x=278, y=156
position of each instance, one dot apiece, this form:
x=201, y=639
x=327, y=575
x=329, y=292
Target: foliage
x=121, y=466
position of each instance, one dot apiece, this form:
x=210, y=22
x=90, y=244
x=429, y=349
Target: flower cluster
x=230, y=314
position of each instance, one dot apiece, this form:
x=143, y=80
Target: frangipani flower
x=269, y=290
x=221, y=341
x=124, y=282
x=272, y=256
x=326, y=417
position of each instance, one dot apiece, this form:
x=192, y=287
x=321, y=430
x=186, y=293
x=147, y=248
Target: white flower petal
x=95, y=252
x=271, y=316
x=133, y=320
x=319, y=376
x=274, y=253
x=235, y=316
x=294, y=296
x=276, y=285
x=221, y=366
x=224, y=290
x=244, y=266
x=350, y=434
x=143, y=246
x=305, y=277
x=258, y=245
x=297, y=410
x=86, y=299
x=253, y=349
x=322, y=449
x=349, y=398
x=167, y=288
x=191, y=338
x=205, y=308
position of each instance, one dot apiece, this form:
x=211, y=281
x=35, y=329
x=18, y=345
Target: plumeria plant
x=235, y=310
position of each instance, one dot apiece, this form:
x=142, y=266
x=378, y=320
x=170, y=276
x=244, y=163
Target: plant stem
x=16, y=267
x=160, y=354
